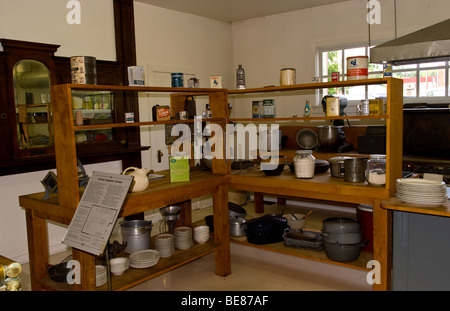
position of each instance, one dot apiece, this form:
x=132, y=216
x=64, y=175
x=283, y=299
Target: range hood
x=431, y=44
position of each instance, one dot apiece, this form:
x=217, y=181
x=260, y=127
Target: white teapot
x=140, y=182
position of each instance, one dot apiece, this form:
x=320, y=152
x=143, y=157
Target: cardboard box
x=136, y=76
x=179, y=169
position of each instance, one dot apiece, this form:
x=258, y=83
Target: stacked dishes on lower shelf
x=165, y=244
x=183, y=237
x=144, y=259
x=422, y=192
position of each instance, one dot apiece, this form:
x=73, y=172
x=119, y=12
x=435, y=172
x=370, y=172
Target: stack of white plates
x=165, y=244
x=201, y=234
x=145, y=258
x=183, y=237
x=422, y=192
x=100, y=275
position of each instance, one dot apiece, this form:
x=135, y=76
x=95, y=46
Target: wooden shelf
x=395, y=204
x=134, y=276
x=311, y=86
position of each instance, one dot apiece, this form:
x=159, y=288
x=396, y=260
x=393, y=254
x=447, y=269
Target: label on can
x=269, y=108
x=357, y=67
x=256, y=108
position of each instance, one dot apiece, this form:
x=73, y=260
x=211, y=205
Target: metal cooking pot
x=342, y=238
x=329, y=135
x=340, y=225
x=237, y=226
x=337, y=166
x=343, y=252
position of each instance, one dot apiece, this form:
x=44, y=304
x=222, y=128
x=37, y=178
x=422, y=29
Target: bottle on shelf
x=207, y=113
x=240, y=78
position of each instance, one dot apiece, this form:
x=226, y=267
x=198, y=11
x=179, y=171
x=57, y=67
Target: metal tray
x=303, y=239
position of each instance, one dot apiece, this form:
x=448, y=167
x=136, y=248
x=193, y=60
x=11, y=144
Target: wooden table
x=160, y=193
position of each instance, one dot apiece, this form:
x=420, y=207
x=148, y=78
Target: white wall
x=168, y=41
x=266, y=45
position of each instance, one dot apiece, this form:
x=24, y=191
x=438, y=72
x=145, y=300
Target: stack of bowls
x=119, y=265
x=165, y=244
x=183, y=237
x=201, y=234
x=100, y=275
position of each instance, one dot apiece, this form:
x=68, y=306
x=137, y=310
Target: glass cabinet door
x=31, y=80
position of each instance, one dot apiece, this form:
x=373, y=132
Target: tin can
x=83, y=69
x=287, y=76
x=256, y=108
x=177, y=79
x=357, y=67
x=268, y=108
x=387, y=70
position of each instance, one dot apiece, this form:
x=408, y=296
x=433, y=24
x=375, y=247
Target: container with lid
x=376, y=169
x=304, y=164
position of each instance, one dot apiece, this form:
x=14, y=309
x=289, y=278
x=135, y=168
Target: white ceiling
x=236, y=10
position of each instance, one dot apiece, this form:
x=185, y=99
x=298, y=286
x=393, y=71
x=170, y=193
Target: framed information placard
x=97, y=212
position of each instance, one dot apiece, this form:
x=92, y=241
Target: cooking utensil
x=295, y=221
x=293, y=215
x=337, y=166
x=237, y=226
x=307, y=138
x=343, y=252
x=235, y=210
x=329, y=135
x=273, y=166
x=340, y=225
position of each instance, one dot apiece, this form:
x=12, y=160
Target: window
x=427, y=81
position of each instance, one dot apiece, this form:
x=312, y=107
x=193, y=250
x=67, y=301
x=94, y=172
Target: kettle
x=140, y=180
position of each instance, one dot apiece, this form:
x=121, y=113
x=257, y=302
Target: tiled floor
x=252, y=269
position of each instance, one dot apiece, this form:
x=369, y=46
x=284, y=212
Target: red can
x=364, y=215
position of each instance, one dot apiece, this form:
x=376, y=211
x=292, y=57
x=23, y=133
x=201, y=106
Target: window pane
x=403, y=67
x=376, y=91
x=427, y=65
x=409, y=82
x=355, y=92
x=331, y=62
x=432, y=83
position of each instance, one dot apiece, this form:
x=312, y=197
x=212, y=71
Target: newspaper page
x=97, y=212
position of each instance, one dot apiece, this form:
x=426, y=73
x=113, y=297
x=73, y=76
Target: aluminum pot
x=337, y=166
x=136, y=234
x=343, y=252
x=237, y=226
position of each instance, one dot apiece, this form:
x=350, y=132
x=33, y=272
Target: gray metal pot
x=343, y=252
x=340, y=225
x=342, y=238
x=237, y=226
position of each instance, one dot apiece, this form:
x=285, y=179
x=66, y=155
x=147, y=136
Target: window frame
x=418, y=69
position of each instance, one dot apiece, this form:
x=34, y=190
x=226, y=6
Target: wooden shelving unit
x=325, y=187
x=61, y=207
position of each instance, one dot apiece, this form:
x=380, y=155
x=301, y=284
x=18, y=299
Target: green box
x=179, y=169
